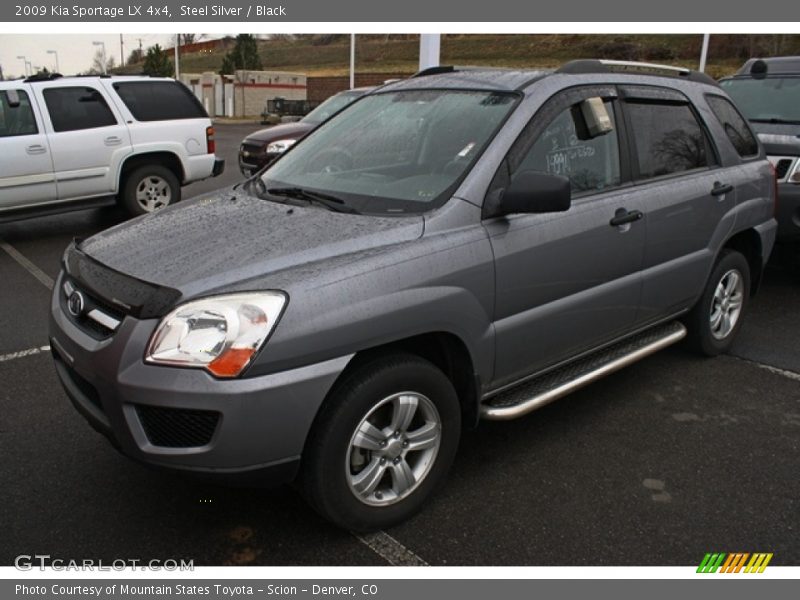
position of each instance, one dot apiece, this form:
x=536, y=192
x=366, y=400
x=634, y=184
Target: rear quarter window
x=736, y=128
x=160, y=100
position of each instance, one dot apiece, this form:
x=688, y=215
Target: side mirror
x=536, y=192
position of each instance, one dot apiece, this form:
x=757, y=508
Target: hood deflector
x=135, y=297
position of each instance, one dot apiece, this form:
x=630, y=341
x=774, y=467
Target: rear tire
x=150, y=188
x=716, y=318
x=382, y=443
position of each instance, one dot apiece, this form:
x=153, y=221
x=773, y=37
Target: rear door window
x=16, y=120
x=159, y=100
x=667, y=138
x=75, y=108
x=736, y=128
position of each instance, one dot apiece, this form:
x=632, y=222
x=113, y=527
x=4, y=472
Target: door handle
x=721, y=188
x=113, y=140
x=624, y=216
x=36, y=149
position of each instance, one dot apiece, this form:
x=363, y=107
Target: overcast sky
x=75, y=51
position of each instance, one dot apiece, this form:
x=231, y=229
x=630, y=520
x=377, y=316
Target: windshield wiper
x=327, y=200
x=776, y=121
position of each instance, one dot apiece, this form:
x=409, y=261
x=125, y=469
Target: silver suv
x=466, y=244
x=72, y=142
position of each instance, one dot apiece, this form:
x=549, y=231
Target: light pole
x=704, y=52
x=56, y=54
x=103, y=46
x=25, y=63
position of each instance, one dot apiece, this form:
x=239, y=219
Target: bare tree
x=97, y=63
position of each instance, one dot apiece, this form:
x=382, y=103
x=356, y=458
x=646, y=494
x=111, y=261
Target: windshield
x=393, y=152
x=766, y=99
x=330, y=107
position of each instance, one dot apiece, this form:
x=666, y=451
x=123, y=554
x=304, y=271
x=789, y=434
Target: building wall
x=252, y=89
x=321, y=88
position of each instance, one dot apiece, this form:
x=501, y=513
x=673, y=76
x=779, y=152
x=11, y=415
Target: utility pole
x=121, y=51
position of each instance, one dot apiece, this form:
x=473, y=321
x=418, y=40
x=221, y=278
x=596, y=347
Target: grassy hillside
x=329, y=54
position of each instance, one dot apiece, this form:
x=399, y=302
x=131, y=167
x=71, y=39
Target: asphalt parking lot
x=655, y=465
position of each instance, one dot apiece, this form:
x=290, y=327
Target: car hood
x=226, y=238
x=286, y=131
x=778, y=139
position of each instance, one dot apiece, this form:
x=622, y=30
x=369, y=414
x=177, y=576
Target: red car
x=265, y=145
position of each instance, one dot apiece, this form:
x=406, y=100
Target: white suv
x=72, y=142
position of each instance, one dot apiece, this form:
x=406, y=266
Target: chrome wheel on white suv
x=153, y=192
x=149, y=188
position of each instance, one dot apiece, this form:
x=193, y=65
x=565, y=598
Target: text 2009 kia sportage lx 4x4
x=460, y=245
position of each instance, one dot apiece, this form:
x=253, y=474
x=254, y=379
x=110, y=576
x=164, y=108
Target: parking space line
x=392, y=551
x=26, y=264
x=778, y=371
x=23, y=353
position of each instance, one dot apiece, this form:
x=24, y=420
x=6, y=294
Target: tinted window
x=591, y=165
x=73, y=108
x=734, y=124
x=16, y=120
x=766, y=99
x=667, y=137
x=160, y=100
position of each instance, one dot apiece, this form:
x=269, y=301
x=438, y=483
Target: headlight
x=279, y=146
x=220, y=334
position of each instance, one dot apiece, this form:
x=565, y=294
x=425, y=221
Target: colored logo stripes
x=734, y=562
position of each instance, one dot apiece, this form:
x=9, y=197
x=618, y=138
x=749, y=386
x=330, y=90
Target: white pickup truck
x=68, y=143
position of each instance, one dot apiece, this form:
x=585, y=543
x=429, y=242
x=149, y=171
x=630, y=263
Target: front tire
x=150, y=188
x=382, y=443
x=716, y=318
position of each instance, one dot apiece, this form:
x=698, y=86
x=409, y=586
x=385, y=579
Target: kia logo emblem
x=75, y=304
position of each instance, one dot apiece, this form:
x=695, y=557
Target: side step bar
x=535, y=393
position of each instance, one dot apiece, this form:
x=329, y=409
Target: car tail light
x=211, y=145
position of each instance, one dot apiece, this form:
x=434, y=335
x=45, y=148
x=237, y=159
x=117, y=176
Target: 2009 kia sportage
x=464, y=244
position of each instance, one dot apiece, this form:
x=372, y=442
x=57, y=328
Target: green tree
x=157, y=62
x=243, y=55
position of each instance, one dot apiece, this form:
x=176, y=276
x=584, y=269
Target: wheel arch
x=446, y=351
x=167, y=159
x=748, y=243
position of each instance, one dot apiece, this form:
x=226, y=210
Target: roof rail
x=584, y=66
x=41, y=77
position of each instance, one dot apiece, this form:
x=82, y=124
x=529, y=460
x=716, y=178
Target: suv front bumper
x=251, y=430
